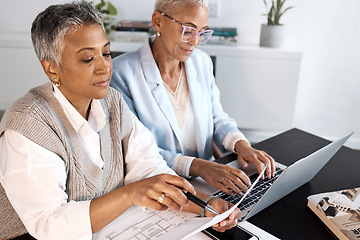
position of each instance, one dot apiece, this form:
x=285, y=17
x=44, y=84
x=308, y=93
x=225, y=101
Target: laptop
x=287, y=179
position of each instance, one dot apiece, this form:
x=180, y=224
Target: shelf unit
x=258, y=85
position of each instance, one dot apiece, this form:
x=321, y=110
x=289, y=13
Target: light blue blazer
x=137, y=77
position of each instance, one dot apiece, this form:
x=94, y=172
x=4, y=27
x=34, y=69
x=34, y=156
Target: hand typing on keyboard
x=247, y=154
x=229, y=179
x=221, y=176
x=254, y=195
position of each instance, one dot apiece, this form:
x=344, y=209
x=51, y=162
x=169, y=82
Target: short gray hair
x=170, y=5
x=50, y=27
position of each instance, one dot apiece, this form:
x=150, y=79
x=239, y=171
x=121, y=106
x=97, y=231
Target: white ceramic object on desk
x=272, y=35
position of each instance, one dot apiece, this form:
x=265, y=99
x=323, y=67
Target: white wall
x=326, y=31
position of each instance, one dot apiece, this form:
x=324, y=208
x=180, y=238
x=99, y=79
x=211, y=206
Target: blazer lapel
x=200, y=108
x=153, y=79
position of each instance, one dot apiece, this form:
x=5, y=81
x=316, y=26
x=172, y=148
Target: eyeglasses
x=189, y=33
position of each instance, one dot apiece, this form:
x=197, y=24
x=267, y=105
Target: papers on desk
x=144, y=223
x=195, y=225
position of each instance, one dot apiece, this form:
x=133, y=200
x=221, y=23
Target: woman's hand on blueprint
x=160, y=192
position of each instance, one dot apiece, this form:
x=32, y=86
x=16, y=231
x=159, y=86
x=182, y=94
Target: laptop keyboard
x=259, y=189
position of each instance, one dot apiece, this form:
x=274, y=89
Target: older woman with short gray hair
x=169, y=85
x=72, y=156
x=49, y=28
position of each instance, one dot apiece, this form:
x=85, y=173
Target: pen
x=200, y=202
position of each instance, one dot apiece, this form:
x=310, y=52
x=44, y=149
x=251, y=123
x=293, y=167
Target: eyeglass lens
x=189, y=34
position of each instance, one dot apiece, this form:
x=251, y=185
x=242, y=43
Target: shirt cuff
x=80, y=217
x=231, y=139
x=182, y=165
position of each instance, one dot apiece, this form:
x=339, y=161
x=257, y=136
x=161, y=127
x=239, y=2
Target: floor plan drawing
x=144, y=224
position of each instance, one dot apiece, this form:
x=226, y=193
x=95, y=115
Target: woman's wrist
x=241, y=144
x=196, y=167
x=207, y=200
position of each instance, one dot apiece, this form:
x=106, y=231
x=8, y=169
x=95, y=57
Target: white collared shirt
x=87, y=130
x=180, y=100
x=35, y=178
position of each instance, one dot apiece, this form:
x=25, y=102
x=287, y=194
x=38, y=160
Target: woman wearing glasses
x=72, y=155
x=170, y=86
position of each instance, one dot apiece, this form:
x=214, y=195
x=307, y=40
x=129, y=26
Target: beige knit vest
x=39, y=117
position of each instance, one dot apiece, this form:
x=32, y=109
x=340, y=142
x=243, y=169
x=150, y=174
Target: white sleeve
x=231, y=139
x=35, y=182
x=143, y=158
x=182, y=165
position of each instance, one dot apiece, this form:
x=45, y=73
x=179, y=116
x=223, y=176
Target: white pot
x=272, y=35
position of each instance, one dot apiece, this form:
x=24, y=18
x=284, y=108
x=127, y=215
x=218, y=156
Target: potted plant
x=108, y=12
x=272, y=33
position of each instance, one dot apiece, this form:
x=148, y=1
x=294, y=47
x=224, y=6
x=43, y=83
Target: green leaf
x=100, y=6
x=275, y=12
x=281, y=5
x=266, y=7
x=112, y=9
x=285, y=11
x=278, y=5
x=108, y=11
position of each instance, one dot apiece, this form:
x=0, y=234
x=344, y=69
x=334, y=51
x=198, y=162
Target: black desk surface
x=289, y=217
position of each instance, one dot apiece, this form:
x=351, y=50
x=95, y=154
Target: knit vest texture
x=39, y=117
